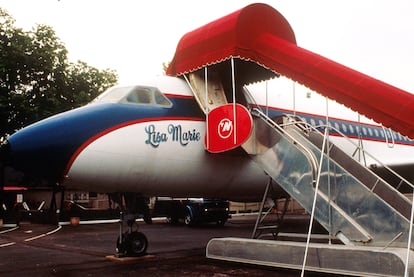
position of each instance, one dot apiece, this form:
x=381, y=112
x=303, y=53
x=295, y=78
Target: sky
x=135, y=38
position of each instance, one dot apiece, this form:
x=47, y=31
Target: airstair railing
x=314, y=164
x=351, y=210
x=308, y=154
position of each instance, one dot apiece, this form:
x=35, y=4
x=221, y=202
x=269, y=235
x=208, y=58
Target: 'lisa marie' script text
x=174, y=132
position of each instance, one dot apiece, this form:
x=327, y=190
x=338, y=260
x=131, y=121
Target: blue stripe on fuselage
x=349, y=128
x=44, y=148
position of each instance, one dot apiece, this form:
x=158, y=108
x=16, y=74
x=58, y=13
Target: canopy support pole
x=234, y=100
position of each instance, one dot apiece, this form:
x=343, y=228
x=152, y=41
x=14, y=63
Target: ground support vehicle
x=192, y=211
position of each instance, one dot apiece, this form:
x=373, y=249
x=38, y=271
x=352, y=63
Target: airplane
x=189, y=133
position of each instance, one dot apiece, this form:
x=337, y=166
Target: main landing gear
x=131, y=242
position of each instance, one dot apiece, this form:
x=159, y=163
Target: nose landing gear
x=131, y=243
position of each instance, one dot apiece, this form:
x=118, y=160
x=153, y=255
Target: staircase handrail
x=308, y=153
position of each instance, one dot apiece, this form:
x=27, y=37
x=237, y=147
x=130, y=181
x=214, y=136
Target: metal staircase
x=369, y=216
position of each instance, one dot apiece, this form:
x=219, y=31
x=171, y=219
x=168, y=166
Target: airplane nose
x=39, y=151
x=42, y=150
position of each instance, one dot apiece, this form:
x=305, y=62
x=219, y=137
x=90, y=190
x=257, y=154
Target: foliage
x=36, y=79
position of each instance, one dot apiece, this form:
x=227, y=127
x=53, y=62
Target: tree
x=84, y=83
x=36, y=79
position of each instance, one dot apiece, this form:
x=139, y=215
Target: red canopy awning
x=265, y=43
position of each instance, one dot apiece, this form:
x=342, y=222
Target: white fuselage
x=166, y=156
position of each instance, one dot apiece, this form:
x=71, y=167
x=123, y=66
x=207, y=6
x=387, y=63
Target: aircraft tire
x=188, y=219
x=137, y=244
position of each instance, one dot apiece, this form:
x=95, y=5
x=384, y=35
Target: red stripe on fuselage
x=171, y=95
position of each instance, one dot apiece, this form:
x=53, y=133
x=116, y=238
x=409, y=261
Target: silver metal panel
x=338, y=259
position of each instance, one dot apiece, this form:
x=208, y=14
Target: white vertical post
x=206, y=103
x=410, y=233
x=294, y=97
x=234, y=100
x=329, y=175
x=318, y=177
x=267, y=98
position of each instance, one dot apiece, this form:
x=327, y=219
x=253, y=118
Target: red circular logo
x=225, y=128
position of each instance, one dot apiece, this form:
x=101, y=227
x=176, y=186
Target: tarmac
x=89, y=250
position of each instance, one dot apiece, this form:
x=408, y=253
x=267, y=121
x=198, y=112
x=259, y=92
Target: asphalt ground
x=88, y=250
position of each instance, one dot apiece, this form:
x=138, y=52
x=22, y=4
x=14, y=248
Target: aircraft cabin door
x=215, y=95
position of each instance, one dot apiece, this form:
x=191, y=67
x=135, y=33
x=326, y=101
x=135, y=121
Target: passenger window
x=344, y=129
x=303, y=119
x=313, y=123
x=364, y=131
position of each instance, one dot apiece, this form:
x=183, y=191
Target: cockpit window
x=160, y=99
x=112, y=95
x=141, y=95
x=147, y=96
